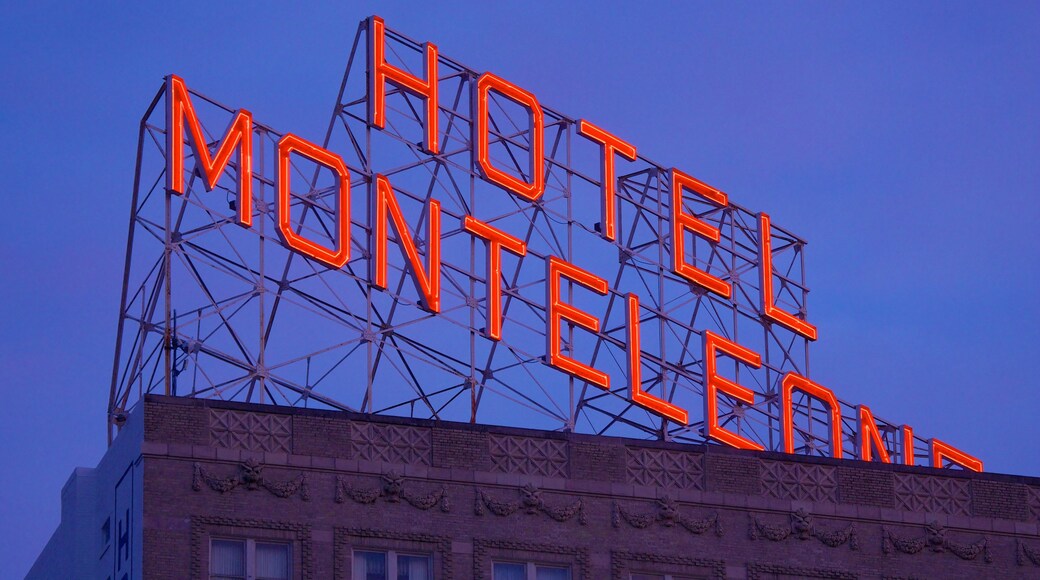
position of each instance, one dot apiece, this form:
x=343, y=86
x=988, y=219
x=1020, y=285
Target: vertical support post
x=167, y=293
x=261, y=356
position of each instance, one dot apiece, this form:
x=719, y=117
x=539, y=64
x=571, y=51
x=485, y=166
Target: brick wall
x=178, y=421
x=995, y=499
x=597, y=461
x=461, y=448
x=321, y=436
x=604, y=507
x=733, y=474
x=866, y=487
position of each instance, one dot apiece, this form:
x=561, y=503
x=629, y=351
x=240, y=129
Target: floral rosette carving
x=391, y=490
x=668, y=516
x=251, y=477
x=531, y=502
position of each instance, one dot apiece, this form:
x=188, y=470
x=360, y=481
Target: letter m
x=239, y=135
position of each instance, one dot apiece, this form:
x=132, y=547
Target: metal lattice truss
x=215, y=310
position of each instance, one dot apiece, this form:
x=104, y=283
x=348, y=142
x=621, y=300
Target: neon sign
x=692, y=271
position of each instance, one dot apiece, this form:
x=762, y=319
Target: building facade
x=195, y=488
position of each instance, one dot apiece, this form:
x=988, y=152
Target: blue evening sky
x=902, y=140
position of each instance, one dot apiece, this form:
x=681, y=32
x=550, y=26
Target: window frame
x=391, y=559
x=487, y=552
x=662, y=575
x=106, y=537
x=250, y=553
x=347, y=540
x=531, y=567
x=628, y=563
x=297, y=535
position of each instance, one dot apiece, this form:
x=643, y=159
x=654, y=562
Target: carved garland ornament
x=1024, y=553
x=531, y=502
x=251, y=477
x=935, y=539
x=392, y=491
x=667, y=515
x=802, y=527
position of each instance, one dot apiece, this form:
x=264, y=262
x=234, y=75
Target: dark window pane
x=552, y=573
x=227, y=559
x=369, y=566
x=410, y=567
x=510, y=571
x=272, y=561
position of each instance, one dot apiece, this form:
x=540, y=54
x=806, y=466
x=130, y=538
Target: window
x=106, y=535
x=231, y=559
x=529, y=571
x=392, y=566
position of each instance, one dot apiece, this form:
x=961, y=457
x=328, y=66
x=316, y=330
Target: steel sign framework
x=216, y=305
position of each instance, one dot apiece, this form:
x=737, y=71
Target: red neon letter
x=611, y=145
x=559, y=310
x=239, y=134
x=635, y=374
x=769, y=309
x=530, y=191
x=381, y=73
x=869, y=434
x=713, y=384
x=908, y=445
x=684, y=221
x=333, y=258
x=497, y=240
x=429, y=285
x=940, y=451
x=794, y=381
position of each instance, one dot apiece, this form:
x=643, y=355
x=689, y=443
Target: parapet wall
x=607, y=507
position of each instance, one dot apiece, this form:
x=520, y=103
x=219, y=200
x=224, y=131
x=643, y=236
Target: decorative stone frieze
x=390, y=443
x=531, y=502
x=528, y=455
x=798, y=481
x=269, y=432
x=668, y=516
x=936, y=541
x=1025, y=555
x=665, y=468
x=929, y=494
x=250, y=476
x=391, y=491
x=802, y=527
